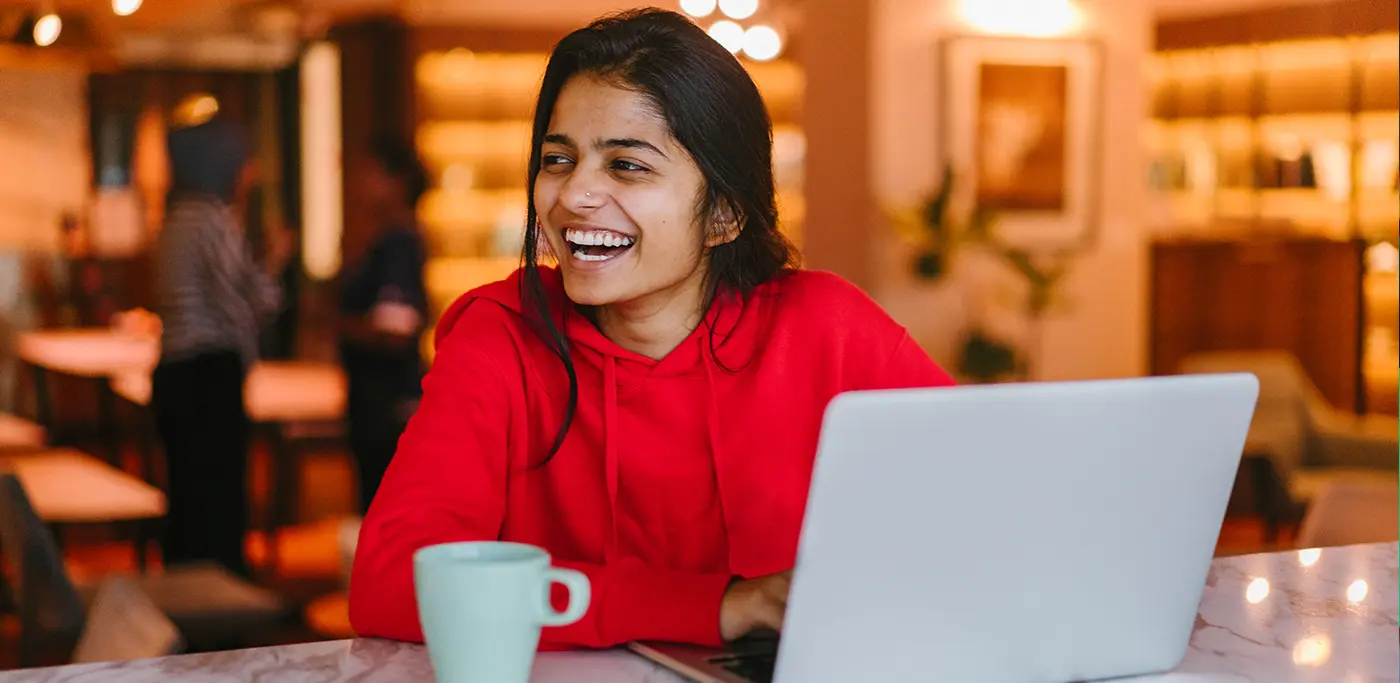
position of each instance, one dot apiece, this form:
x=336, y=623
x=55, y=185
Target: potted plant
x=938, y=234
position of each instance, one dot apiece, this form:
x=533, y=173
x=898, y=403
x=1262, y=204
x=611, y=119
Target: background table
x=90, y=353
x=68, y=487
x=96, y=352
x=1294, y=617
x=19, y=433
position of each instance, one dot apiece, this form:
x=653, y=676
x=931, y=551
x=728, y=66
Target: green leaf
x=979, y=228
x=929, y=264
x=936, y=212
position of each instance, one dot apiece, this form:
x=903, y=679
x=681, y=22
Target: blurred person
x=212, y=298
x=648, y=411
x=383, y=306
x=279, y=341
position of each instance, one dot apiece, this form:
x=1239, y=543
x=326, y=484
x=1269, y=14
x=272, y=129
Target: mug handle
x=580, y=594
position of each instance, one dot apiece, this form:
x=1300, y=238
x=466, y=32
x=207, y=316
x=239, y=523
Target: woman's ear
x=724, y=226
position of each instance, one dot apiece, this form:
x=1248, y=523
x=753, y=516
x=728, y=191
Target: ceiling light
x=195, y=110
x=125, y=8
x=728, y=34
x=738, y=9
x=698, y=8
x=46, y=29
x=762, y=43
x=1027, y=18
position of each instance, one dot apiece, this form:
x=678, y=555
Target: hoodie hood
x=207, y=159
x=731, y=325
x=725, y=341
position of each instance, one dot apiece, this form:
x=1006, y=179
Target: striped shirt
x=211, y=295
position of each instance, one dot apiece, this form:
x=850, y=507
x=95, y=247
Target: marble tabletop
x=1309, y=616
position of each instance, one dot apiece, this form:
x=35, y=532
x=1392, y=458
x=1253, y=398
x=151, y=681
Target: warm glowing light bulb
x=728, y=34
x=1029, y=18
x=762, y=43
x=1309, y=556
x=125, y=8
x=195, y=110
x=1357, y=591
x=46, y=30
x=738, y=9
x=698, y=8
x=1257, y=591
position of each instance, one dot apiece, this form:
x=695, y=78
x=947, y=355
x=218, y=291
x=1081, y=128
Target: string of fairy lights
x=48, y=25
x=757, y=41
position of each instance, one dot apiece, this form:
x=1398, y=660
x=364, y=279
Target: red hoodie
x=676, y=476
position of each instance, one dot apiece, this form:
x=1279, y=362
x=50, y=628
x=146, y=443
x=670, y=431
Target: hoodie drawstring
x=610, y=459
x=712, y=422
x=610, y=451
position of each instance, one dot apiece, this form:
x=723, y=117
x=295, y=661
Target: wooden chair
x=1298, y=442
x=50, y=608
x=1349, y=512
x=123, y=624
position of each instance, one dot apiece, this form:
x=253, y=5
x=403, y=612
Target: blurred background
x=1038, y=189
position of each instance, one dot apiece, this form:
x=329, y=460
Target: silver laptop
x=1016, y=533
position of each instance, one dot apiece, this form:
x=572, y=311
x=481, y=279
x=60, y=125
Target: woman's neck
x=655, y=325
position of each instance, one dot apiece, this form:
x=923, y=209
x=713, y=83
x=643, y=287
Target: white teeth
x=593, y=238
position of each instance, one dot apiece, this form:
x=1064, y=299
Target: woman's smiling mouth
x=597, y=244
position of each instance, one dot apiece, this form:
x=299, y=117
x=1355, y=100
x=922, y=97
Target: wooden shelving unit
x=1301, y=134
x=1290, y=136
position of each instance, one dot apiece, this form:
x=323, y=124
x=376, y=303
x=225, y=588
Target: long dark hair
x=715, y=112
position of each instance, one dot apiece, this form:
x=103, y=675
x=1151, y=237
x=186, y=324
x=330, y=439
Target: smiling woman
x=648, y=410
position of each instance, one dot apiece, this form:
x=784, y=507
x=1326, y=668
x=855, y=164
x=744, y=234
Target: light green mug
x=482, y=605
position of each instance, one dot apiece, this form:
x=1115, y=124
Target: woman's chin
x=590, y=289
x=595, y=282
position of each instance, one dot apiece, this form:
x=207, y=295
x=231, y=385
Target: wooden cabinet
x=1300, y=295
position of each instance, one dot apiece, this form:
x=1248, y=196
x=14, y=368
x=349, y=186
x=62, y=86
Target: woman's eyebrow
x=608, y=143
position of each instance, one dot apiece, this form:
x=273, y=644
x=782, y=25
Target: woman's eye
x=628, y=167
x=549, y=160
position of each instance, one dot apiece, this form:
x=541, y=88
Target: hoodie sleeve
x=448, y=481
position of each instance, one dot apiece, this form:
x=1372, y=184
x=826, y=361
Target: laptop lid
x=1018, y=533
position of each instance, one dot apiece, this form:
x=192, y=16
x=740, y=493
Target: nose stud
x=588, y=195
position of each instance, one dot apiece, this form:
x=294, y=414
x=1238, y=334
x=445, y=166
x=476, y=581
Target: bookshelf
x=1300, y=134
x=1290, y=138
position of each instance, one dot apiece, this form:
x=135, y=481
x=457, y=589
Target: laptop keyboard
x=752, y=657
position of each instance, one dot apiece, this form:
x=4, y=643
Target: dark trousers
x=378, y=410
x=198, y=405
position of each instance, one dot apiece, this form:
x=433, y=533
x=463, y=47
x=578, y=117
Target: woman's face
x=616, y=197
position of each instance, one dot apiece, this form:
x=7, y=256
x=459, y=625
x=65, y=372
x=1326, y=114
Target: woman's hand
x=752, y=604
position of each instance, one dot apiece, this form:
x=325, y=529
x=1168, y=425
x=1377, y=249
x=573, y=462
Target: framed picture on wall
x=1021, y=130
